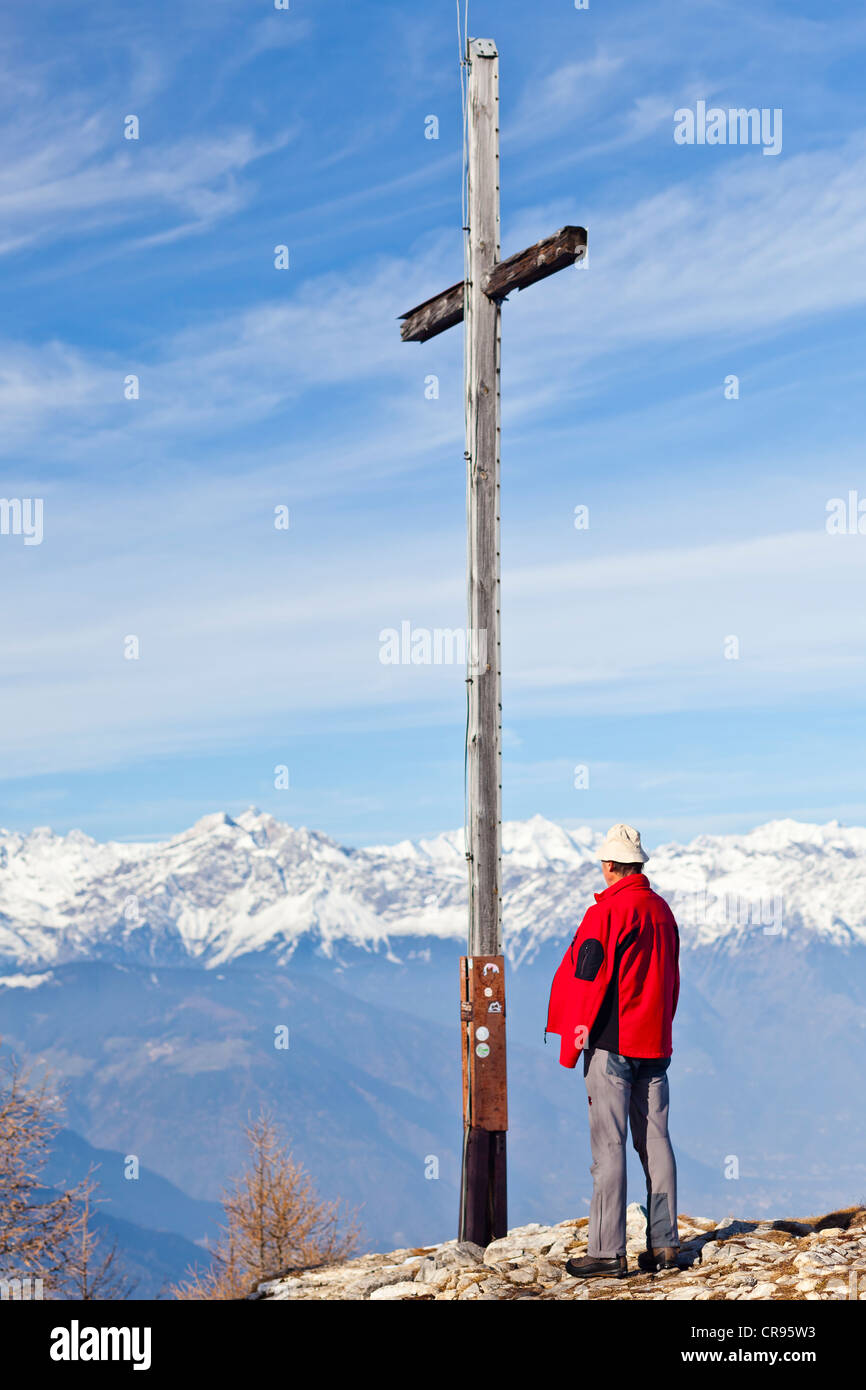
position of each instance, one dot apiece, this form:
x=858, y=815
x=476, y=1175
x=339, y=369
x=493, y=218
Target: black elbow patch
x=589, y=960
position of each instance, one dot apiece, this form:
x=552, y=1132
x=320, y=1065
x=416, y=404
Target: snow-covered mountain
x=233, y=888
x=150, y=979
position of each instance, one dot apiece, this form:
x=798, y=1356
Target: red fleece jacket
x=628, y=944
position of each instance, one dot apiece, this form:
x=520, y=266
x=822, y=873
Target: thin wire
x=463, y=56
x=472, y=674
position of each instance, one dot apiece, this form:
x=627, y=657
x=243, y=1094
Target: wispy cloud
x=259, y=388
x=69, y=172
x=721, y=259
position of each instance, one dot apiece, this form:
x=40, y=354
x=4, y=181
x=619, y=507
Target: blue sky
x=261, y=388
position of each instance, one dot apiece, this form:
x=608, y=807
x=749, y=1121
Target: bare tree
x=274, y=1221
x=47, y=1231
x=37, y=1222
x=90, y=1271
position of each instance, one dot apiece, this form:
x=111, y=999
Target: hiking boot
x=594, y=1267
x=651, y=1261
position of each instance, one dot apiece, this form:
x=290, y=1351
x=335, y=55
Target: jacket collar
x=630, y=881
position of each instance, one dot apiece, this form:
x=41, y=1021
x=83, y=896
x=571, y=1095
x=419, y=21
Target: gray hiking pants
x=623, y=1090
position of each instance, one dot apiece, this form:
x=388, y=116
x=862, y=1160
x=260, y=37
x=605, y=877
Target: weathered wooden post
x=477, y=300
x=483, y=1207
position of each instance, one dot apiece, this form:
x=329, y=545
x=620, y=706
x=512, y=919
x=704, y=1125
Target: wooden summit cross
x=477, y=300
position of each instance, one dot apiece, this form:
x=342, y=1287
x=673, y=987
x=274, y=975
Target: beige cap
x=622, y=846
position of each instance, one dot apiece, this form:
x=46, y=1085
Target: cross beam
x=478, y=300
x=546, y=257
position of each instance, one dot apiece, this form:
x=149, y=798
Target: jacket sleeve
x=580, y=984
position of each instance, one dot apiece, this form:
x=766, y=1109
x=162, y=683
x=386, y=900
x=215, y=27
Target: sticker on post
x=482, y=1050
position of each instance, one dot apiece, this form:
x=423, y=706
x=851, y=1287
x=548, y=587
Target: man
x=613, y=998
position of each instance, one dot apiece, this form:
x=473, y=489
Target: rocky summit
x=817, y=1258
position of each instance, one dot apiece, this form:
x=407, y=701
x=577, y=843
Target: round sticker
x=482, y=1050
x=488, y=993
x=482, y=1034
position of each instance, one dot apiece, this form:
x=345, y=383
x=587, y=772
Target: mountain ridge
x=230, y=887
